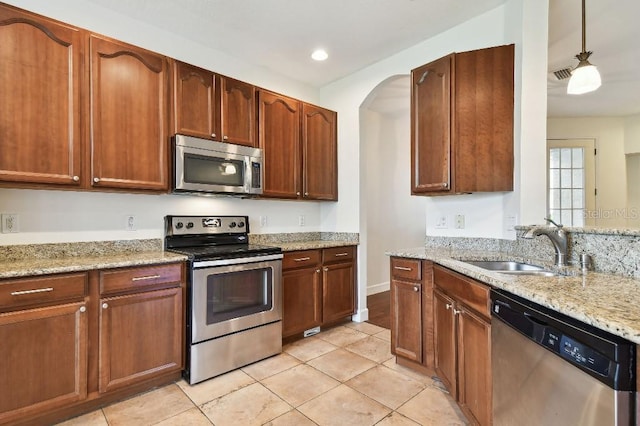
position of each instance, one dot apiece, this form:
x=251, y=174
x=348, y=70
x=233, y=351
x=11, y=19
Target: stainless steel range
x=234, y=302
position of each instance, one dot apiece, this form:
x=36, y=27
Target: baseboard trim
x=378, y=288
x=361, y=315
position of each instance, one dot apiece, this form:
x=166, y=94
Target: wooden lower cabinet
x=462, y=330
x=124, y=360
x=302, y=300
x=411, y=312
x=66, y=349
x=318, y=288
x=44, y=359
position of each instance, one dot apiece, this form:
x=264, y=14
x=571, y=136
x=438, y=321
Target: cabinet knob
x=317, y=271
x=306, y=194
x=96, y=180
x=76, y=178
x=416, y=288
x=224, y=138
x=83, y=309
x=456, y=312
x=448, y=306
x=298, y=194
x=325, y=269
x=445, y=184
x=105, y=306
x=213, y=135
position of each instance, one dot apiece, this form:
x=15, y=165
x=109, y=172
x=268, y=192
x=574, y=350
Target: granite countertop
x=606, y=301
x=44, y=266
x=311, y=245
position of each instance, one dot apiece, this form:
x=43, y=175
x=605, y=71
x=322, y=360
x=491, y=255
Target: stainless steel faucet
x=558, y=238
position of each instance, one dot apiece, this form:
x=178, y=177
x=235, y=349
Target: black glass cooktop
x=226, y=251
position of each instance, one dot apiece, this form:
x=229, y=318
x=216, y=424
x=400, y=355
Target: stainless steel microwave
x=202, y=166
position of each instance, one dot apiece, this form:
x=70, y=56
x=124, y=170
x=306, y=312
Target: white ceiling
x=613, y=34
x=280, y=34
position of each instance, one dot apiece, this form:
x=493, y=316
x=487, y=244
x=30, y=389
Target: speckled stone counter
x=306, y=240
x=42, y=259
x=609, y=302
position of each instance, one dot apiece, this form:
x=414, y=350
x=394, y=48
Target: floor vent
x=311, y=331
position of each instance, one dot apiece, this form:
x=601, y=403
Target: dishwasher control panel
x=583, y=355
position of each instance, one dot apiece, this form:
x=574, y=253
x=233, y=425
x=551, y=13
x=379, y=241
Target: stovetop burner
x=212, y=237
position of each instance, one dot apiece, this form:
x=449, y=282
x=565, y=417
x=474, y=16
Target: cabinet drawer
x=301, y=259
x=466, y=290
x=338, y=254
x=140, y=279
x=47, y=289
x=406, y=268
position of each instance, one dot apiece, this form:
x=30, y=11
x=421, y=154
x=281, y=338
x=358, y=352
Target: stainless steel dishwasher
x=550, y=369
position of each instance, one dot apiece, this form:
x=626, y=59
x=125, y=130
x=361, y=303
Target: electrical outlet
x=512, y=220
x=301, y=220
x=459, y=223
x=263, y=221
x=10, y=223
x=442, y=222
x=130, y=223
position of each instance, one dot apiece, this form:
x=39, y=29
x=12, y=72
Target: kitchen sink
x=511, y=267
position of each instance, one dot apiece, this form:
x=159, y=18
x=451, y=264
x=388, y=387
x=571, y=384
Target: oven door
x=226, y=298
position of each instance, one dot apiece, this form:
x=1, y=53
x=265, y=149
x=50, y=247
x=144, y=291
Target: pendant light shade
x=585, y=77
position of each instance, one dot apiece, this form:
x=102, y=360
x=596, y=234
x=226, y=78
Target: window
x=571, y=191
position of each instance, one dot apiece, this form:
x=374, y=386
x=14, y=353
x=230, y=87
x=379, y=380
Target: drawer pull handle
x=342, y=254
x=37, y=290
x=147, y=277
x=301, y=259
x=403, y=268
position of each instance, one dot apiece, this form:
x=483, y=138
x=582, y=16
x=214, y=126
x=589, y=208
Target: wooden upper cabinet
x=238, y=111
x=462, y=123
x=320, y=153
x=40, y=80
x=279, y=139
x=129, y=116
x=196, y=106
x=431, y=126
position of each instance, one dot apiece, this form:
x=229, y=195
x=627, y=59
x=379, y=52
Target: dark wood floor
x=379, y=306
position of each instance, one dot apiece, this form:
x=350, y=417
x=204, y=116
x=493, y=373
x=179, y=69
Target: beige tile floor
x=342, y=376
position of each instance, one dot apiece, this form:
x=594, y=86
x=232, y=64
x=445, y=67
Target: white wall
x=632, y=134
x=393, y=219
x=611, y=175
x=54, y=216
x=523, y=22
x=486, y=213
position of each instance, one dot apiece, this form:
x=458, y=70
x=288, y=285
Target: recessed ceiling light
x=319, y=55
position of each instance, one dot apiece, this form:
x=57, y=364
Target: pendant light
x=585, y=77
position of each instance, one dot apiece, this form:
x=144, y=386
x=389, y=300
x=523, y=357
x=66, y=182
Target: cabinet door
x=195, y=105
x=338, y=292
x=483, y=135
x=238, y=111
x=129, y=116
x=474, y=366
x=431, y=127
x=40, y=80
x=320, y=153
x=140, y=337
x=302, y=300
x=279, y=138
x=406, y=320
x=51, y=340
x=444, y=330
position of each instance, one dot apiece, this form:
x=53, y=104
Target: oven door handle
x=235, y=261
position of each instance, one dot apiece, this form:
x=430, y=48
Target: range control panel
x=197, y=225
